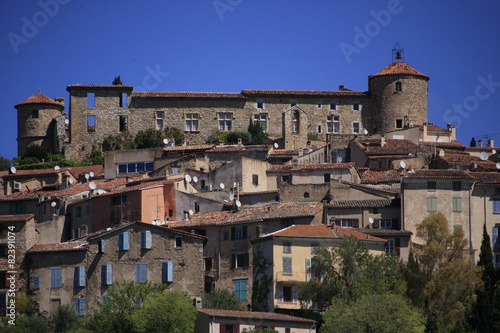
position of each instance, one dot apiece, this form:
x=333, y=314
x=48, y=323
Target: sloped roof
x=347, y=92
x=438, y=174
x=486, y=177
x=40, y=98
x=359, y=203
x=16, y=218
x=310, y=167
x=399, y=68
x=321, y=231
x=391, y=147
x=377, y=177
x=59, y=247
x=254, y=315
x=179, y=94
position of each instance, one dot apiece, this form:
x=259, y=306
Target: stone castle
x=396, y=99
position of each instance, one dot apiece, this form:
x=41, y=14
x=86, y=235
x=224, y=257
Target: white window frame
x=359, y=127
x=192, y=121
x=333, y=124
x=385, y=224
x=389, y=247
x=261, y=119
x=225, y=121
x=159, y=116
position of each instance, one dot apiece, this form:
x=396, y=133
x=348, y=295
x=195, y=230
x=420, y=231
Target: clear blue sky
x=229, y=45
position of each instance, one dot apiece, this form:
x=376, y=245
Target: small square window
x=91, y=123
x=91, y=100
x=333, y=106
x=260, y=105
x=355, y=107
x=255, y=179
x=399, y=123
x=457, y=186
x=34, y=114
x=355, y=127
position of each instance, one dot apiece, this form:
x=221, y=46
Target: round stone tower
x=399, y=98
x=37, y=122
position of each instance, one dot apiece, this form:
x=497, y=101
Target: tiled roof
x=486, y=177
x=431, y=128
x=189, y=147
x=223, y=149
x=283, y=152
x=483, y=148
x=282, y=210
x=438, y=174
x=40, y=98
x=399, y=68
x=391, y=147
x=461, y=159
x=359, y=203
x=310, y=167
x=377, y=177
x=382, y=231
x=250, y=92
x=98, y=170
x=254, y=315
x=452, y=144
x=33, y=173
x=178, y=94
x=98, y=86
x=16, y=218
x=59, y=247
x=321, y=231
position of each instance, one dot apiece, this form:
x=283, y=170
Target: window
x=90, y=123
x=319, y=129
x=318, y=106
x=308, y=269
x=287, y=265
x=355, y=107
x=326, y=178
x=431, y=186
x=333, y=106
x=261, y=120
x=287, y=247
x=135, y=167
x=239, y=260
x=91, y=100
x=55, y=277
x=102, y=246
x=495, y=239
x=457, y=186
x=497, y=191
x=36, y=282
x=355, y=127
x=80, y=306
x=296, y=122
x=240, y=289
x=432, y=204
x=123, y=100
x=159, y=115
x=306, y=195
x=116, y=201
x=399, y=123
x=314, y=246
x=197, y=208
x=385, y=224
x=34, y=114
x=192, y=122
x=260, y=105
x=496, y=206
x=457, y=204
x=239, y=233
x=178, y=241
x=229, y=328
x=107, y=275
x=255, y=179
x=123, y=244
x=398, y=86
x=225, y=121
x=141, y=272
x=389, y=246
x=287, y=294
x=348, y=223
x=123, y=123
x=292, y=104
x=167, y=271
x=146, y=240
x=333, y=124
x=79, y=279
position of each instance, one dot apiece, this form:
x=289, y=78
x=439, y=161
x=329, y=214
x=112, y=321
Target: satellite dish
x=365, y=131
x=497, y=165
x=100, y=191
x=57, y=168
x=71, y=181
x=92, y=185
x=226, y=200
x=483, y=156
x=238, y=203
x=87, y=176
x=53, y=204
x=91, y=174
x=371, y=220
x=493, y=151
x=191, y=212
x=66, y=121
x=276, y=145
x=166, y=141
x=402, y=164
x=188, y=178
x=195, y=179
x=231, y=197
x=13, y=169
x=222, y=186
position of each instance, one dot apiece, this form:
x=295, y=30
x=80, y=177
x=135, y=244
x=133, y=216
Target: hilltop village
x=335, y=164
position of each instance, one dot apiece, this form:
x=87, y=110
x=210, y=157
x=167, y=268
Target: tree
x=222, y=299
x=149, y=138
x=170, y=311
x=257, y=134
x=36, y=151
x=120, y=141
x=259, y=330
x=262, y=280
x=440, y=277
x=385, y=312
x=347, y=272
x=66, y=318
x=4, y=163
x=472, y=142
x=176, y=134
x=232, y=137
x=117, y=81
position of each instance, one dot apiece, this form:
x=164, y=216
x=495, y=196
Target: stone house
x=230, y=321
x=228, y=252
x=290, y=251
x=80, y=272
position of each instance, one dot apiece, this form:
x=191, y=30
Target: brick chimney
x=490, y=143
x=479, y=143
x=59, y=100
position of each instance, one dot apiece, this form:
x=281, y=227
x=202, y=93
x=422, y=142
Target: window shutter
x=79, y=278
x=233, y=233
x=55, y=277
x=279, y=291
x=236, y=328
x=287, y=265
x=146, y=239
x=102, y=246
x=107, y=275
x=167, y=271
x=222, y=328
x=140, y=272
x=36, y=282
x=80, y=306
x=124, y=238
x=244, y=232
x=308, y=269
x=495, y=237
x=233, y=261
x=295, y=294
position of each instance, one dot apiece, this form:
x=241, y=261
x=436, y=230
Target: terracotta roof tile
x=33, y=173
x=399, y=68
x=359, y=203
x=377, y=177
x=283, y=152
x=438, y=174
x=254, y=315
x=98, y=86
x=383, y=231
x=486, y=177
x=321, y=231
x=310, y=167
x=391, y=147
x=59, y=247
x=98, y=170
x=452, y=144
x=16, y=218
x=178, y=94
x=219, y=149
x=189, y=147
x=307, y=93
x=39, y=99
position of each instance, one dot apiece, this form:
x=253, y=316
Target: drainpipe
x=473, y=258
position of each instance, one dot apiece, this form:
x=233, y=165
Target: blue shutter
x=79, y=276
x=55, y=277
x=167, y=272
x=495, y=237
x=146, y=239
x=240, y=289
x=80, y=306
x=36, y=282
x=107, y=275
x=102, y=246
x=140, y=273
x=124, y=241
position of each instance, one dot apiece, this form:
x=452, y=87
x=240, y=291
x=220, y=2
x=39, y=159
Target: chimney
x=441, y=152
x=295, y=163
x=490, y=143
x=479, y=143
x=341, y=87
x=382, y=141
x=59, y=100
x=240, y=142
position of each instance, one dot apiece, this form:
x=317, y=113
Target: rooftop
x=399, y=68
x=40, y=98
x=321, y=231
x=254, y=315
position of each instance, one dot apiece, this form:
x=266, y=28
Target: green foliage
x=312, y=136
x=122, y=141
x=247, y=138
x=149, y=138
x=440, y=278
x=222, y=299
x=117, y=81
x=385, y=312
x=66, y=319
x=4, y=163
x=96, y=157
x=176, y=134
x=472, y=142
x=259, y=330
x=27, y=324
x=217, y=136
x=36, y=151
x=257, y=134
x=170, y=311
x=125, y=298
x=347, y=272
x=262, y=282
x=232, y=137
